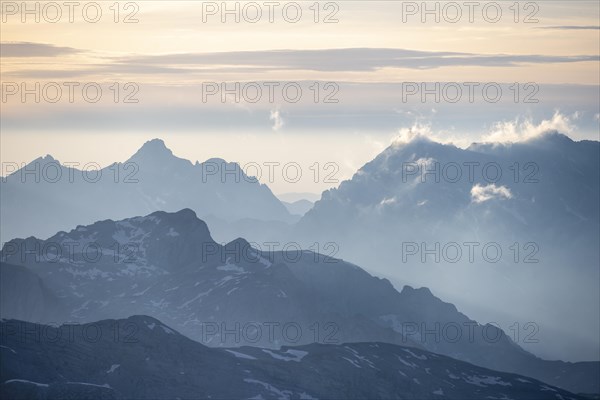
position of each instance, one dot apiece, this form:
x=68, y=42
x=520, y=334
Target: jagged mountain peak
x=160, y=241
x=406, y=151
x=181, y=225
x=155, y=145
x=418, y=142
x=44, y=160
x=152, y=151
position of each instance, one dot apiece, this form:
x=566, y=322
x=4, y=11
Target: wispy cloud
x=519, y=130
x=29, y=49
x=278, y=122
x=348, y=59
x=327, y=60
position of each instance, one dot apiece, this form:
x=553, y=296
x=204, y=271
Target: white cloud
x=422, y=130
x=418, y=130
x=517, y=130
x=278, y=122
x=387, y=201
x=479, y=193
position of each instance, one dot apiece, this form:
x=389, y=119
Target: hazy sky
x=360, y=76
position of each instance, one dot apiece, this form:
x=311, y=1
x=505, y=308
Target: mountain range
x=45, y=196
x=493, y=227
x=402, y=216
x=166, y=265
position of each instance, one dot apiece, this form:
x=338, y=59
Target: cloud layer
x=327, y=60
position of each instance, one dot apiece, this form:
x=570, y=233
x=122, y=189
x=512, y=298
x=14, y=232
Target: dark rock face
x=144, y=359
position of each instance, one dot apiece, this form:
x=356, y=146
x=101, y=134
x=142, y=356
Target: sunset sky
x=369, y=55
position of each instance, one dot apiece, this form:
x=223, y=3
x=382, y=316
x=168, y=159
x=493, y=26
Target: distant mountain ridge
x=45, y=196
x=536, y=201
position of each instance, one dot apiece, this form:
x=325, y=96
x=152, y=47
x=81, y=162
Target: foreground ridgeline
x=152, y=361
